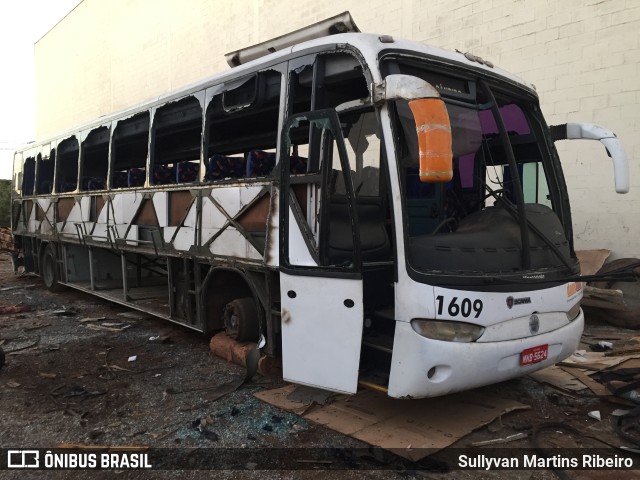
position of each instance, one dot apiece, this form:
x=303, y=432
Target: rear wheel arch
x=221, y=287
x=49, y=269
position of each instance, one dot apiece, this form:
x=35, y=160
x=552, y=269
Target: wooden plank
x=596, y=387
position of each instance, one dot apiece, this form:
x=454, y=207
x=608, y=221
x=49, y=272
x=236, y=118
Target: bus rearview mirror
x=615, y=150
x=434, y=139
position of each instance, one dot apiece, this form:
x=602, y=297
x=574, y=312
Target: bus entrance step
x=372, y=385
x=377, y=346
x=380, y=342
x=375, y=361
x=376, y=378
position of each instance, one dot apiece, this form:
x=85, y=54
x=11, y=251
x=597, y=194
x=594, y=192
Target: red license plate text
x=534, y=354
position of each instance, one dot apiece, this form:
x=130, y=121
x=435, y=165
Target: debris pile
x=611, y=298
x=6, y=240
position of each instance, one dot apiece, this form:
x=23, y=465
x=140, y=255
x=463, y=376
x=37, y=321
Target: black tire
x=1, y=357
x=630, y=316
x=49, y=270
x=241, y=320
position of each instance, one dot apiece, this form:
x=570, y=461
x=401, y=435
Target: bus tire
x=50, y=275
x=241, y=320
x=630, y=316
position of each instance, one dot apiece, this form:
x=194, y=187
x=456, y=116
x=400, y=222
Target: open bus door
x=320, y=268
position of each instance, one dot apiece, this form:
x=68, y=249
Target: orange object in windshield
x=434, y=139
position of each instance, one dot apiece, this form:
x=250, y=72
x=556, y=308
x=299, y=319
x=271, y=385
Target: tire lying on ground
x=630, y=316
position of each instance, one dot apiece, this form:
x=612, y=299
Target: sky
x=22, y=24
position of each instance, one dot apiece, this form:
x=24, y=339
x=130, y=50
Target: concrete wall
x=582, y=55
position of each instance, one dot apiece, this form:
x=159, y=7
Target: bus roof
x=370, y=46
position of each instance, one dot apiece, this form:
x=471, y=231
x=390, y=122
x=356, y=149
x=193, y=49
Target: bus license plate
x=534, y=354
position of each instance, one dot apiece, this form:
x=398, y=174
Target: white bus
x=374, y=211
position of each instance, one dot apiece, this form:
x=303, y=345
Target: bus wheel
x=629, y=317
x=50, y=270
x=241, y=320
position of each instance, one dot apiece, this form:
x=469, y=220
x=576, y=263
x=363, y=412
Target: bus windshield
x=472, y=224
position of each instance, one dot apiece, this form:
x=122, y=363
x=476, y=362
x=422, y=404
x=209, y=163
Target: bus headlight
x=573, y=312
x=446, y=330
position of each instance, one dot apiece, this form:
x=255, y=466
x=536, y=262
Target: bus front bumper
x=422, y=367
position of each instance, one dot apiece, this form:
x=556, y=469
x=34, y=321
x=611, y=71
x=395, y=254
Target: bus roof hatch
x=341, y=23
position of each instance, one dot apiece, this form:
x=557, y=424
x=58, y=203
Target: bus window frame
x=41, y=159
x=217, y=91
x=112, y=151
x=84, y=135
x=200, y=97
x=56, y=175
x=16, y=189
x=31, y=153
x=330, y=118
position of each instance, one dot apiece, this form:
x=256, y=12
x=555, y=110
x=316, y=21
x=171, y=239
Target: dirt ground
x=80, y=372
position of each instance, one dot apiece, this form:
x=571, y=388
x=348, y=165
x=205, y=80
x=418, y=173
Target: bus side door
x=320, y=277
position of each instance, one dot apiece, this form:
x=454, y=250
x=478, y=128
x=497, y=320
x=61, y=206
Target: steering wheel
x=446, y=221
x=497, y=194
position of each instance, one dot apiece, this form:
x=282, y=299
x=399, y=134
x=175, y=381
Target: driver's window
x=534, y=184
x=360, y=131
x=322, y=214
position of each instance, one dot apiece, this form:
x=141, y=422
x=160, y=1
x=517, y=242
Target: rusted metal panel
x=64, y=207
x=254, y=219
x=28, y=206
x=40, y=215
x=179, y=203
x=99, y=203
x=146, y=214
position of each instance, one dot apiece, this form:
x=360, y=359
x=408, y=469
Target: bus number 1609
x=465, y=308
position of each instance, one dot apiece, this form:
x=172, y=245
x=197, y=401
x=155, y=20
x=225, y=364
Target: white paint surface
x=321, y=336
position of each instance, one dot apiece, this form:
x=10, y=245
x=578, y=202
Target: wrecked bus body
x=373, y=211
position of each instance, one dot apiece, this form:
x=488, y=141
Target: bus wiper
x=508, y=150
x=626, y=275
x=513, y=211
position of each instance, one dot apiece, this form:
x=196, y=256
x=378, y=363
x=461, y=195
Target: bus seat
x=97, y=184
x=93, y=183
x=221, y=167
x=260, y=163
x=135, y=177
x=119, y=179
x=46, y=186
x=374, y=240
x=297, y=165
x=66, y=186
x=187, y=171
x=164, y=174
